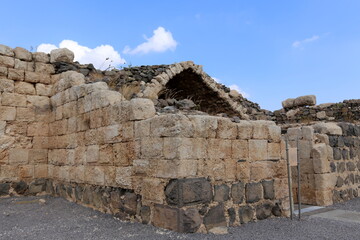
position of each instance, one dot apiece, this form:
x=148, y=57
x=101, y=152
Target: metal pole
x=298, y=173
x=289, y=179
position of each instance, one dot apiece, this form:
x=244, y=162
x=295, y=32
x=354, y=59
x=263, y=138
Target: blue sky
x=271, y=50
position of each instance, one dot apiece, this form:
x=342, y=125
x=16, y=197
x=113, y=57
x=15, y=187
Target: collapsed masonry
x=164, y=145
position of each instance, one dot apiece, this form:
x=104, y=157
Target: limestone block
x=69, y=110
x=7, y=61
x=44, y=68
x=83, y=122
x=152, y=147
x=200, y=148
x=94, y=175
x=288, y=103
x=305, y=148
x=13, y=99
x=18, y=156
x=152, y=191
x=274, y=151
x=68, y=79
x=179, y=148
x=16, y=74
x=106, y=155
x=41, y=57
x=2, y=127
x=6, y=85
x=240, y=149
x=40, y=142
x=86, y=89
x=61, y=55
x=204, y=126
x=39, y=103
x=142, y=129
x=176, y=169
x=245, y=130
x=26, y=171
x=38, y=156
x=92, y=154
x=141, y=108
x=24, y=88
x=3, y=72
x=25, y=114
x=243, y=170
x=274, y=133
x=324, y=197
x=230, y=169
x=258, y=150
x=22, y=54
x=307, y=133
x=319, y=155
x=261, y=170
x=219, y=149
x=104, y=98
x=321, y=138
x=7, y=51
x=22, y=65
x=171, y=126
x=260, y=130
x=123, y=176
x=124, y=153
x=57, y=157
x=226, y=129
x=326, y=181
x=281, y=188
x=293, y=133
x=327, y=128
x=308, y=100
x=71, y=125
x=41, y=171
x=36, y=77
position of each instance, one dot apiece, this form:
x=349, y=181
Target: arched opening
x=189, y=85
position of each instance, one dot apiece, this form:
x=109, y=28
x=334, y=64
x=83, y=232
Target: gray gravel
x=26, y=218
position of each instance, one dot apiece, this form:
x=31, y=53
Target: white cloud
x=300, y=44
x=234, y=87
x=101, y=56
x=161, y=41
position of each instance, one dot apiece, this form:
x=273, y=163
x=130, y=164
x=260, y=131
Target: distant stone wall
x=329, y=162
x=346, y=111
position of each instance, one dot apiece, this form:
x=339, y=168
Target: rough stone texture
x=221, y=193
x=183, y=192
x=238, y=192
x=254, y=192
x=263, y=211
x=61, y=55
x=215, y=217
x=246, y=214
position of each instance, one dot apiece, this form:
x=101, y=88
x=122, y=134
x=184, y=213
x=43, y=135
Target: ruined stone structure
x=163, y=145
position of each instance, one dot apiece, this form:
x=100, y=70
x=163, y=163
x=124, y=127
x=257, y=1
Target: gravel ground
x=26, y=218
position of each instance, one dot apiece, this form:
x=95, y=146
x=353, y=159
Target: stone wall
x=346, y=111
x=25, y=88
x=329, y=162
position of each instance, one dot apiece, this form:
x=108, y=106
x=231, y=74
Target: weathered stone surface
x=254, y=192
x=191, y=220
x=39, y=185
x=6, y=85
x=263, y=211
x=41, y=57
x=238, y=192
x=7, y=61
x=61, y=55
x=7, y=51
x=22, y=54
x=308, y=100
x=221, y=193
x=20, y=187
x=268, y=186
x=215, y=217
x=183, y=192
x=288, y=103
x=166, y=217
x=232, y=216
x=246, y=214
x=141, y=108
x=4, y=189
x=328, y=128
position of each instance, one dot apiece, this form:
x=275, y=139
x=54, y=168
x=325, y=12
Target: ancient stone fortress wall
x=330, y=165
x=88, y=144
x=304, y=110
